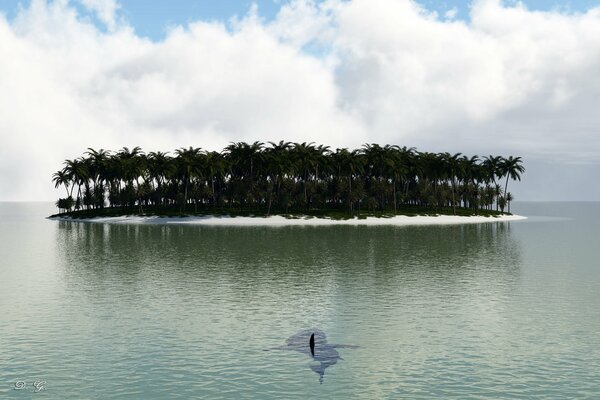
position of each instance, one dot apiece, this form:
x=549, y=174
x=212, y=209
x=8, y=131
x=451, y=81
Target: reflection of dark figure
x=318, y=348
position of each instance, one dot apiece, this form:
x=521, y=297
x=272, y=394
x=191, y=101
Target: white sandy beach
x=400, y=220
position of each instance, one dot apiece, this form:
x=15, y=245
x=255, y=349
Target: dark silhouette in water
x=318, y=348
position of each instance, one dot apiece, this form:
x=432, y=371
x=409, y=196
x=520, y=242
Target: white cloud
x=511, y=81
x=105, y=10
x=301, y=22
x=451, y=13
x=417, y=78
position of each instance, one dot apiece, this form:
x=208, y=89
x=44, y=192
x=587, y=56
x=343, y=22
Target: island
x=286, y=183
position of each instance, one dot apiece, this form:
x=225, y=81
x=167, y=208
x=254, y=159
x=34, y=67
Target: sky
x=478, y=77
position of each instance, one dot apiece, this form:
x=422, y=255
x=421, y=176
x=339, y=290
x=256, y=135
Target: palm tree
x=502, y=202
x=491, y=171
x=348, y=165
x=491, y=165
x=509, y=198
x=471, y=173
x=283, y=175
x=396, y=167
x=380, y=163
x=131, y=164
x=406, y=162
x=61, y=178
x=159, y=166
x=188, y=163
x=429, y=169
x=78, y=172
x=215, y=171
x=305, y=157
x=453, y=169
x=511, y=167
x=280, y=164
x=244, y=161
x=96, y=162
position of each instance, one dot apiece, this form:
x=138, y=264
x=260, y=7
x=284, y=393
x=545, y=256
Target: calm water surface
x=501, y=310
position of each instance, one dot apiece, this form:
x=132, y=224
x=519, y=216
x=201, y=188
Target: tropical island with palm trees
x=285, y=179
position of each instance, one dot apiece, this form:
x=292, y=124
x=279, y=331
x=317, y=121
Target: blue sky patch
x=153, y=18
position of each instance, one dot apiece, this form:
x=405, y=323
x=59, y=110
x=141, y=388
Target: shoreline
x=278, y=220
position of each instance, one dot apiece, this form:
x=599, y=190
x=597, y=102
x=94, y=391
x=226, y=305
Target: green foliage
x=286, y=178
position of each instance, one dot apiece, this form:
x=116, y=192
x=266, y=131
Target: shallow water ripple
x=142, y=312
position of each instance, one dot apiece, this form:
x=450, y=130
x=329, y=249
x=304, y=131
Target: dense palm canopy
x=284, y=176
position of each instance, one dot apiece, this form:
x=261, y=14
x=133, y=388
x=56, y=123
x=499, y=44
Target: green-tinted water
x=507, y=310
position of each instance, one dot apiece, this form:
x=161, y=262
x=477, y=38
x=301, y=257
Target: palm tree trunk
x=395, y=208
x=305, y=194
x=185, y=193
x=214, y=194
x=270, y=199
x=350, y=192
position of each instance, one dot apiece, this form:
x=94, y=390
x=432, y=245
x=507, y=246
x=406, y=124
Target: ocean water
x=499, y=310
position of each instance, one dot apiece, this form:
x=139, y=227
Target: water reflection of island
x=204, y=295
x=248, y=259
